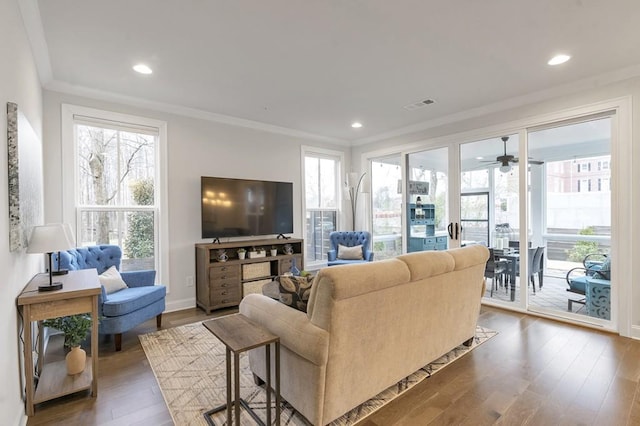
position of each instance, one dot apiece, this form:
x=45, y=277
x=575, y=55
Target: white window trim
x=69, y=178
x=306, y=150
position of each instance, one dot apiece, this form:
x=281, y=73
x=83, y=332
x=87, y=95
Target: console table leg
x=278, y=382
x=267, y=349
x=236, y=377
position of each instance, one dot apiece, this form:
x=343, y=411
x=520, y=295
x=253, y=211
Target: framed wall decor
x=24, y=150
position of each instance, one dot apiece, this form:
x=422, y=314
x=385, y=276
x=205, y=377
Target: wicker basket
x=254, y=286
x=256, y=270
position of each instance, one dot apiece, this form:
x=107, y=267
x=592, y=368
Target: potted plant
x=75, y=329
x=274, y=250
x=241, y=252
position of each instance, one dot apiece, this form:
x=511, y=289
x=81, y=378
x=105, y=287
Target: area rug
x=189, y=364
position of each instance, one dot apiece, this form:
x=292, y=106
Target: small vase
x=274, y=252
x=76, y=360
x=294, y=269
x=241, y=255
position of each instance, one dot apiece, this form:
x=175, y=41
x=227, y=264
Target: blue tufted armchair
x=124, y=309
x=349, y=239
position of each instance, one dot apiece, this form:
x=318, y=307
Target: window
x=322, y=171
x=584, y=185
x=117, y=179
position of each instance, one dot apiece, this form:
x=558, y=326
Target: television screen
x=241, y=207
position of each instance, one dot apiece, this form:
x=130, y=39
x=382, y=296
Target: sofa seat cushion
x=131, y=299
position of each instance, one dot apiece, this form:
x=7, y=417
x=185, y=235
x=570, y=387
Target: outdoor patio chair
x=495, y=269
x=595, y=266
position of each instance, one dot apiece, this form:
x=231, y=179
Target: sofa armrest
x=331, y=255
x=368, y=255
x=139, y=278
x=293, y=327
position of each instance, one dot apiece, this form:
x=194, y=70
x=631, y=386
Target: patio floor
x=553, y=294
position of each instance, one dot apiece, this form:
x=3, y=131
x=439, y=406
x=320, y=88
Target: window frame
x=71, y=210
x=339, y=157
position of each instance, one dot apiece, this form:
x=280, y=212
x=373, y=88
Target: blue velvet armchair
x=349, y=239
x=124, y=309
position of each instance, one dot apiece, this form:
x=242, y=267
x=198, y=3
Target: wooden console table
x=79, y=295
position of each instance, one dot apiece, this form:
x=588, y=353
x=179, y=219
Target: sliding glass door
x=571, y=218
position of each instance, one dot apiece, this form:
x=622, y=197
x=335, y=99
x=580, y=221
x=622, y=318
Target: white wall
x=18, y=83
x=195, y=148
x=565, y=101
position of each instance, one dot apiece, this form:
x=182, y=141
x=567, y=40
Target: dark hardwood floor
x=535, y=372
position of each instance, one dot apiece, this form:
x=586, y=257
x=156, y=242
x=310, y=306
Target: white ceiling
x=313, y=67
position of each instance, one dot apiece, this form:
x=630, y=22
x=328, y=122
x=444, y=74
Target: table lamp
x=47, y=239
x=71, y=238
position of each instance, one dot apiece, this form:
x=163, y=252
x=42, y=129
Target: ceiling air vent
x=418, y=105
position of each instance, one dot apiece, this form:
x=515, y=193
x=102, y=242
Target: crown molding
x=58, y=86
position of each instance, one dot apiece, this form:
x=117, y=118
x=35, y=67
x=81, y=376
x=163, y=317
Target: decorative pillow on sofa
x=350, y=253
x=295, y=290
x=112, y=280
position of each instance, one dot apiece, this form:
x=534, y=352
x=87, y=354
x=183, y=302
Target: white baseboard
x=635, y=332
x=179, y=305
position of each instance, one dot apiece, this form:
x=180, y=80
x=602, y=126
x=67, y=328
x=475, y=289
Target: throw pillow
x=295, y=290
x=350, y=253
x=112, y=280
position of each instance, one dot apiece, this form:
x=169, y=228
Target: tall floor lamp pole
x=354, y=190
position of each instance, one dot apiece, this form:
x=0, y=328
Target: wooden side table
x=79, y=295
x=239, y=334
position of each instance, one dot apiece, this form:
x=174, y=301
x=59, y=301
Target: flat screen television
x=243, y=208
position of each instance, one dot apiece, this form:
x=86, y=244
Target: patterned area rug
x=189, y=364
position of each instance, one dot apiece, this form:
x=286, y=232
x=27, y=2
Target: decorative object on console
x=75, y=329
x=222, y=255
x=274, y=251
x=287, y=249
x=294, y=269
x=48, y=239
x=353, y=187
x=241, y=253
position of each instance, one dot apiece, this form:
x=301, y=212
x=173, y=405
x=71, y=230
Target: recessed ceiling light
x=356, y=125
x=479, y=158
x=559, y=59
x=142, y=69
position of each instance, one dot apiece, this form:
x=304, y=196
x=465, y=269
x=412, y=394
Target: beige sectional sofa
x=370, y=325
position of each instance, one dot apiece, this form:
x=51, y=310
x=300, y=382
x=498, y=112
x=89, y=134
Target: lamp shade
x=49, y=238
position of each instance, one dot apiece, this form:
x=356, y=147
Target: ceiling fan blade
x=538, y=162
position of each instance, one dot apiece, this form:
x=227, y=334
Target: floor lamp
x=48, y=239
x=354, y=187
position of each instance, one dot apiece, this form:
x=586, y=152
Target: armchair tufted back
x=101, y=257
x=350, y=239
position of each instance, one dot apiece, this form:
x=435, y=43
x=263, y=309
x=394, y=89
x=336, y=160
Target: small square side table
x=239, y=334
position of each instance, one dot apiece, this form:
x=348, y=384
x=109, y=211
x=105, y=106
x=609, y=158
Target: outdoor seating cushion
x=579, y=284
x=131, y=299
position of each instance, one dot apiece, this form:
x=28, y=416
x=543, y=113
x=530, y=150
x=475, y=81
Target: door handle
x=450, y=230
x=456, y=230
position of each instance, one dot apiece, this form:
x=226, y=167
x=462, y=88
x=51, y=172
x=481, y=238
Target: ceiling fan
x=505, y=160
